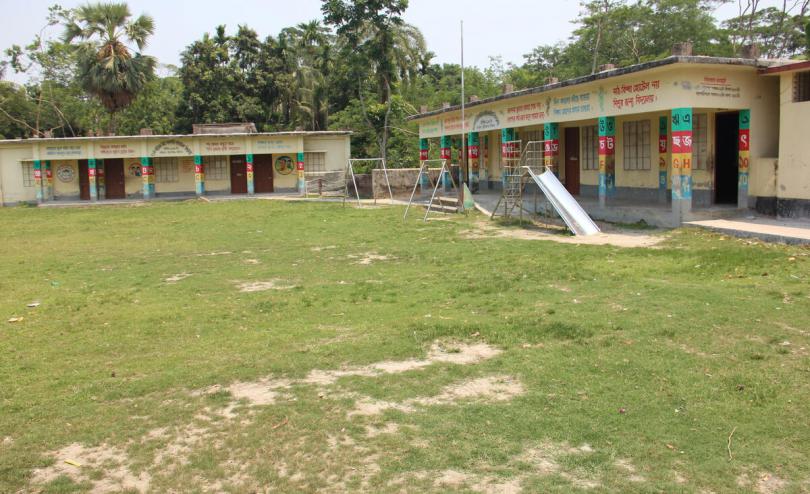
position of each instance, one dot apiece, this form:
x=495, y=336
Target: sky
x=509, y=31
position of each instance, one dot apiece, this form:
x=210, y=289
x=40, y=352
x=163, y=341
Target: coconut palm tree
x=108, y=66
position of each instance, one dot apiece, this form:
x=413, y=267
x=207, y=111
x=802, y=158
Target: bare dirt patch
x=177, y=277
x=262, y=286
x=388, y=428
x=610, y=236
x=370, y=257
x=104, y=467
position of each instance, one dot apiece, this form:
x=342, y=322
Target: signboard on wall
x=270, y=145
x=119, y=149
x=222, y=146
x=63, y=151
x=171, y=148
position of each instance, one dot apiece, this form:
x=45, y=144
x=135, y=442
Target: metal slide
x=564, y=203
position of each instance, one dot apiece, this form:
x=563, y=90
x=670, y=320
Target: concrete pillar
x=48, y=181
x=474, y=157
x=551, y=148
x=663, y=163
x=507, y=151
x=299, y=165
x=607, y=159
x=38, y=180
x=199, y=175
x=744, y=158
x=484, y=163
x=148, y=177
x=91, y=179
x=102, y=183
x=251, y=189
x=681, y=163
x=446, y=153
x=424, y=155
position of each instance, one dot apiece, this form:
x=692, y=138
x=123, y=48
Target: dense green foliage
x=360, y=68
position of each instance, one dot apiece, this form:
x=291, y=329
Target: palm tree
x=107, y=67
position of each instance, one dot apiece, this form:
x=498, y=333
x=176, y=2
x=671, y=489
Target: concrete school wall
x=792, y=180
x=12, y=188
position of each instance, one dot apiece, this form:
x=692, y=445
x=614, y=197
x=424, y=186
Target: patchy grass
x=229, y=347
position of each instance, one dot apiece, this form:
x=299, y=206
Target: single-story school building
x=680, y=134
x=217, y=160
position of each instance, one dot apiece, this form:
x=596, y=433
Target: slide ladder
x=564, y=203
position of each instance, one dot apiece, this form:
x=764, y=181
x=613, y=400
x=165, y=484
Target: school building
x=216, y=159
x=672, y=137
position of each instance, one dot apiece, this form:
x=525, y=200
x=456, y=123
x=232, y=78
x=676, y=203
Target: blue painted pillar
x=48, y=181
x=251, y=189
x=447, y=155
x=424, y=155
x=681, y=162
x=91, y=176
x=148, y=177
x=199, y=175
x=663, y=165
x=744, y=158
x=607, y=159
x=38, y=180
x=299, y=165
x=474, y=159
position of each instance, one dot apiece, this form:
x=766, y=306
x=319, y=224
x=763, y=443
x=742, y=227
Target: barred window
x=215, y=167
x=636, y=145
x=590, y=148
x=700, y=141
x=28, y=174
x=166, y=170
x=526, y=136
x=315, y=162
x=801, y=87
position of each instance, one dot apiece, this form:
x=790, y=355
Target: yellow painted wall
x=11, y=175
x=69, y=189
x=284, y=181
x=793, y=176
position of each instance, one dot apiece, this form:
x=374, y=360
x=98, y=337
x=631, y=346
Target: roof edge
x=309, y=133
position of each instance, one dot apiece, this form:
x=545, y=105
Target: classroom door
x=84, y=181
x=263, y=173
x=238, y=175
x=114, y=179
x=572, y=160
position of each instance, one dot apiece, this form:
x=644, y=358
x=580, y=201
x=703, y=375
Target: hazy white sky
x=510, y=29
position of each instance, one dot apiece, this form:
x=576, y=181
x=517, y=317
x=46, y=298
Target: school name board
x=274, y=145
x=648, y=91
x=67, y=151
x=115, y=150
x=222, y=146
x=171, y=148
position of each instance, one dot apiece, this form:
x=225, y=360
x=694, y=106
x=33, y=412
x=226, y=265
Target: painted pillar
x=474, y=158
x=199, y=175
x=249, y=168
x=148, y=177
x=663, y=139
x=48, y=181
x=447, y=155
x=38, y=180
x=744, y=158
x=299, y=165
x=484, y=164
x=91, y=176
x=681, y=162
x=424, y=155
x=551, y=147
x=607, y=159
x=507, y=151
x=102, y=184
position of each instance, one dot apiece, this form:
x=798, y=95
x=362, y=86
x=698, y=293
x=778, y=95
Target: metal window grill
x=636, y=145
x=216, y=167
x=28, y=174
x=590, y=148
x=166, y=170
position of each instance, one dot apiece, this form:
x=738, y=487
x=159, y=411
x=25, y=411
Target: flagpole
x=462, y=167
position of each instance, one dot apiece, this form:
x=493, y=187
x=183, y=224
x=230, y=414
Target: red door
x=114, y=179
x=238, y=175
x=263, y=173
x=84, y=181
x=572, y=160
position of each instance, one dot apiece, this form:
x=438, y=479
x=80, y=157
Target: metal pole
x=462, y=165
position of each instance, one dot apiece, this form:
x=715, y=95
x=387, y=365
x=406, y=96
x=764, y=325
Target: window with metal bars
x=166, y=170
x=636, y=145
x=215, y=167
x=28, y=174
x=315, y=162
x=801, y=87
x=590, y=148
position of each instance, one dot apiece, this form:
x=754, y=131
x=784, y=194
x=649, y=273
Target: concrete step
x=450, y=201
x=439, y=208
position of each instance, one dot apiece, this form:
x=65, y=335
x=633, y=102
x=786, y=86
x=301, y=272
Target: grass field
x=289, y=347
